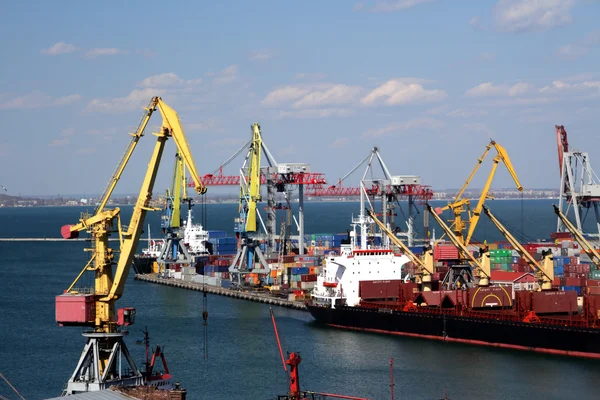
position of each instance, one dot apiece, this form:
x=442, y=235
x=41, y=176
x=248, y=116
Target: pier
x=238, y=294
x=56, y=239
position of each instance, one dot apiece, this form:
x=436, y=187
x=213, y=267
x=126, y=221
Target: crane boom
x=252, y=193
x=502, y=156
x=483, y=267
x=544, y=272
x=458, y=205
x=585, y=245
x=127, y=155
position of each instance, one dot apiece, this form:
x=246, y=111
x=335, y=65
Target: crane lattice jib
x=171, y=128
x=127, y=155
x=172, y=123
x=585, y=245
x=548, y=273
x=250, y=189
x=456, y=242
x=413, y=257
x=502, y=156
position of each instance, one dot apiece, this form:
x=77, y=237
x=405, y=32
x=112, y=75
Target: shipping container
x=549, y=302
x=382, y=289
x=75, y=309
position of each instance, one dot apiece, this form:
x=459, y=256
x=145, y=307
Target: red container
x=75, y=309
x=445, y=252
x=408, y=291
x=592, y=282
x=523, y=299
x=572, y=282
x=593, y=290
x=308, y=278
x=555, y=302
x=560, y=235
x=379, y=289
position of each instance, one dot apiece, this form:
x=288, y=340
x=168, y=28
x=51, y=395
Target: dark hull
x=553, y=339
x=143, y=265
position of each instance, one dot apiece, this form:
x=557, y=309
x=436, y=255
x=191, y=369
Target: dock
x=56, y=239
x=238, y=294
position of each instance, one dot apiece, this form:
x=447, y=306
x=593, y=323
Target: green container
x=505, y=267
x=595, y=274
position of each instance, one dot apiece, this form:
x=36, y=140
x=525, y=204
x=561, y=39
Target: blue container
x=559, y=270
x=515, y=260
x=225, y=283
x=300, y=271
x=217, y=234
x=575, y=288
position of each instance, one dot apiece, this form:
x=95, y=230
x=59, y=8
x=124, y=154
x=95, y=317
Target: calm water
x=243, y=360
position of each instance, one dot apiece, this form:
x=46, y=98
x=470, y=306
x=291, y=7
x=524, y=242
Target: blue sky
x=428, y=81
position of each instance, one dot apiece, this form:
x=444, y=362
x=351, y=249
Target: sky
x=429, y=82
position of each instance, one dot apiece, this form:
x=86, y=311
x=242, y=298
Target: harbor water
x=242, y=359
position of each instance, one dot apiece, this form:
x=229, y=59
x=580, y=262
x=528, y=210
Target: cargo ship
x=515, y=310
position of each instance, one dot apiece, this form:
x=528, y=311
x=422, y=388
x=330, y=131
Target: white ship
x=339, y=280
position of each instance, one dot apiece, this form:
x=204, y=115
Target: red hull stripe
x=476, y=342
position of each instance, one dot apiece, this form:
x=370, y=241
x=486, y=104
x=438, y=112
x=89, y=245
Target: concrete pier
x=238, y=294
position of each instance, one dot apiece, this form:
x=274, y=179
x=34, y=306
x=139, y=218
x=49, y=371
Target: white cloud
x=312, y=95
x=488, y=89
x=284, y=95
x=478, y=127
x=307, y=76
x=66, y=100
x=559, y=86
x=527, y=15
x=475, y=22
x=399, y=92
x=335, y=94
x=167, y=79
x=105, y=51
x=411, y=125
x=466, y=113
x=59, y=48
x=63, y=140
x=339, y=143
x=59, y=142
x=260, y=55
x=388, y=6
x=316, y=113
x=37, y=99
x=227, y=75
x=85, y=151
x=571, y=52
x=136, y=99
x=487, y=56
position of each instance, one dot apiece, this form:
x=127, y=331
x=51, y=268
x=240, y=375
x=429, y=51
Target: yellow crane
x=483, y=266
x=544, y=272
x=585, y=245
x=98, y=366
x=175, y=196
x=459, y=204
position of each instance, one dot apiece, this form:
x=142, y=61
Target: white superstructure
x=194, y=237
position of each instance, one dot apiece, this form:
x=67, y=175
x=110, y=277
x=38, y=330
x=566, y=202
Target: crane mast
x=459, y=204
x=585, y=245
x=424, y=264
x=482, y=267
x=100, y=362
x=544, y=272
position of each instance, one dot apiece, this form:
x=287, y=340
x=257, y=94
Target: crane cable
x=12, y=387
x=205, y=319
